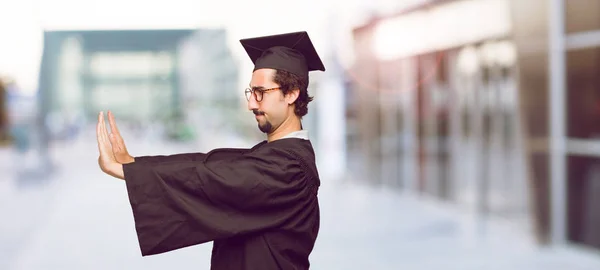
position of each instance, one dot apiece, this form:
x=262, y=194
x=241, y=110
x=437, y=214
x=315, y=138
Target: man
x=258, y=205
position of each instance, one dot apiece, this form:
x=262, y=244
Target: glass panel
x=433, y=84
x=131, y=64
x=390, y=106
x=583, y=191
x=583, y=94
x=582, y=15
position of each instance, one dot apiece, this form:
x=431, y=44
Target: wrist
x=116, y=170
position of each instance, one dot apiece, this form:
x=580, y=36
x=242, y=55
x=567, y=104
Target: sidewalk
x=381, y=229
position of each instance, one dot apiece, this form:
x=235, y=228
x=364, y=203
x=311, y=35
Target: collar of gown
x=300, y=134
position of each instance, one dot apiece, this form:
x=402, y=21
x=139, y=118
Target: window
x=583, y=93
x=583, y=191
x=582, y=15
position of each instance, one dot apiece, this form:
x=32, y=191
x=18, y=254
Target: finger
x=101, y=126
x=101, y=140
x=106, y=144
x=104, y=131
x=115, y=130
x=104, y=134
x=112, y=138
x=116, y=147
x=113, y=124
x=100, y=132
x=98, y=136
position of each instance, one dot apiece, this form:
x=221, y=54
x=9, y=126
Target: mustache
x=257, y=112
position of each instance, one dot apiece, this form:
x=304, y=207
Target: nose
x=252, y=103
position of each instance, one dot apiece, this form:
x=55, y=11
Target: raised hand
x=107, y=161
x=118, y=145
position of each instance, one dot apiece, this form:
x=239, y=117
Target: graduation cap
x=292, y=52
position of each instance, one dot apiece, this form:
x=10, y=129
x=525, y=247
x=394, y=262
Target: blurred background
x=450, y=134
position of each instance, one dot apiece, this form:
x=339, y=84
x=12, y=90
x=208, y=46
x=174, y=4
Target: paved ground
x=80, y=219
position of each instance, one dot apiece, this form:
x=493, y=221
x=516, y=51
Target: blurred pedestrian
x=4, y=130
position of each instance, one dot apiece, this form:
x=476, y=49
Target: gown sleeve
x=184, y=203
x=171, y=158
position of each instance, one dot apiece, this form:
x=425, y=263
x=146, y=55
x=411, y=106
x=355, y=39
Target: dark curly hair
x=287, y=82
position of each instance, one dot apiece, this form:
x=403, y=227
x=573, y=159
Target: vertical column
x=557, y=120
x=388, y=122
x=89, y=109
x=530, y=34
x=455, y=124
x=176, y=108
x=409, y=112
x=331, y=124
x=480, y=139
x=45, y=99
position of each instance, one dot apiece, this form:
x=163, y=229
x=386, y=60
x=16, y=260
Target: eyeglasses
x=258, y=93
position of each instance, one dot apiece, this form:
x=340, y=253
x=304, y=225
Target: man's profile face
x=272, y=109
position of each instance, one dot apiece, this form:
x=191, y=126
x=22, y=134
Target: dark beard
x=266, y=128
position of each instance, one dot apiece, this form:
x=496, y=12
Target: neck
x=288, y=126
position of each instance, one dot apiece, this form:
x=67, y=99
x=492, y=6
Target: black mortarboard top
x=292, y=52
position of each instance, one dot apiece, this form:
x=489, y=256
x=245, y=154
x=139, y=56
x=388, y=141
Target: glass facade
x=582, y=26
x=470, y=123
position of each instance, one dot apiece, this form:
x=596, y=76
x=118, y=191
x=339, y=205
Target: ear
x=291, y=96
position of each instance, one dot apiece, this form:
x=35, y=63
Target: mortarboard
x=292, y=52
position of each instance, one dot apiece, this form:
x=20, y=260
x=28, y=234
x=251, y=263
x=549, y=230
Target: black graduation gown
x=258, y=205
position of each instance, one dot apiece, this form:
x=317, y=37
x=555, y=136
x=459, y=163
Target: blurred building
x=491, y=105
x=164, y=73
x=208, y=80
